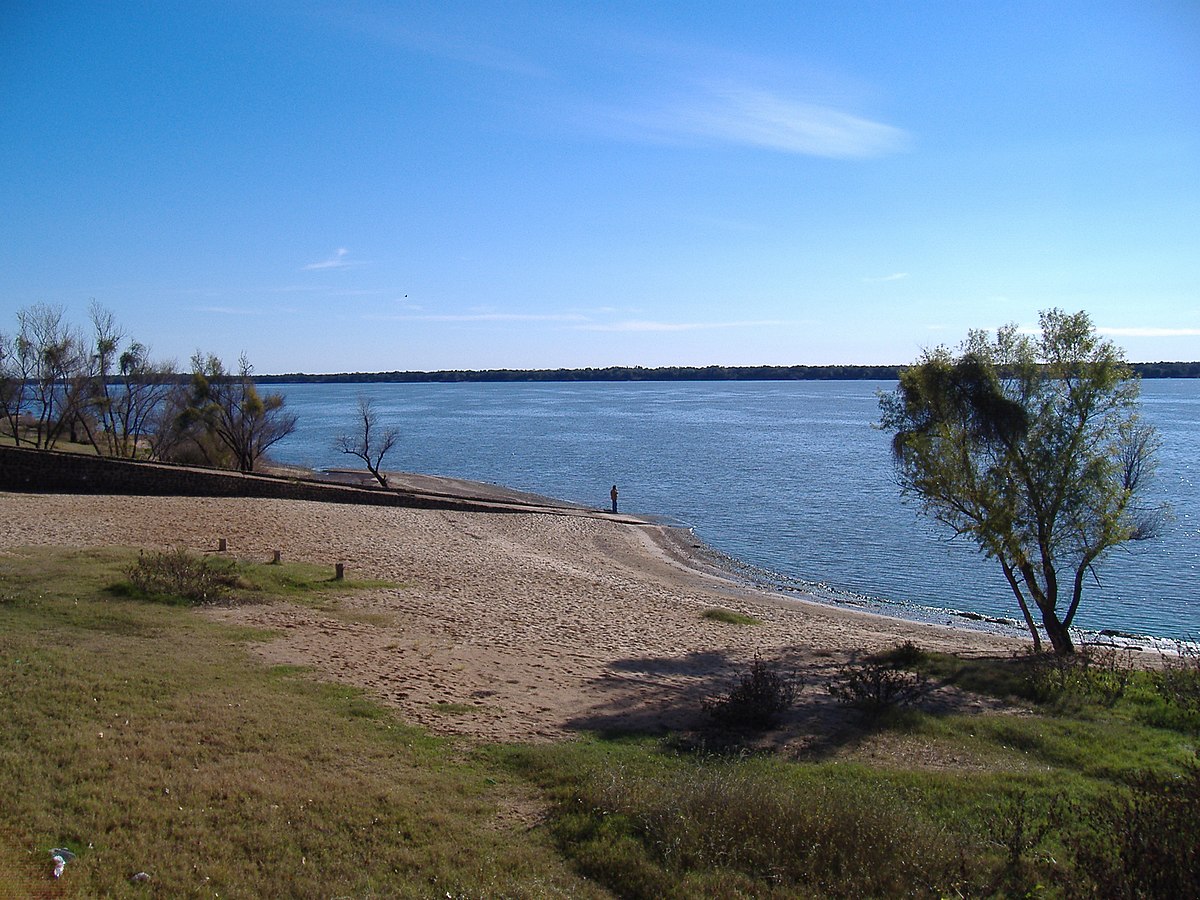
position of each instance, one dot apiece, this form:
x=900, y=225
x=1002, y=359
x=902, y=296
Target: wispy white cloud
x=1145, y=332
x=394, y=27
x=762, y=118
x=229, y=311
x=480, y=317
x=644, y=325
x=573, y=321
x=1124, y=331
x=896, y=276
x=339, y=260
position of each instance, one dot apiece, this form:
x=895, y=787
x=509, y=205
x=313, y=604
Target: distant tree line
x=609, y=373
x=99, y=387
x=1167, y=369
x=664, y=373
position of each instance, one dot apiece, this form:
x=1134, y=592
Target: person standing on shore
x=613, y=494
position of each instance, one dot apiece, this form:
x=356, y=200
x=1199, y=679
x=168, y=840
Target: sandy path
x=504, y=626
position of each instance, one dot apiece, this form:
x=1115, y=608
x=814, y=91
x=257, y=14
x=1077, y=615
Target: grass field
x=143, y=737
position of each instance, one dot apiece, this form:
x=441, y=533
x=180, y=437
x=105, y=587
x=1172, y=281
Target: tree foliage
x=228, y=417
x=104, y=389
x=57, y=382
x=1032, y=447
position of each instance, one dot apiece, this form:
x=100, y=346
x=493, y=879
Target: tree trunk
x=1016, y=589
x=1059, y=634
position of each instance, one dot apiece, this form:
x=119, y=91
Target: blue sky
x=362, y=186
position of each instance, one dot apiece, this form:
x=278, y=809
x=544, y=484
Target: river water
x=787, y=478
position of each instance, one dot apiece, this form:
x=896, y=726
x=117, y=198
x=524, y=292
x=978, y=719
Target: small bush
x=760, y=697
x=1018, y=828
x=873, y=686
x=177, y=574
x=903, y=656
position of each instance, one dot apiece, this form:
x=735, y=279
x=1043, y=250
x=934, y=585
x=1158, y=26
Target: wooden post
x=221, y=545
x=276, y=558
x=339, y=571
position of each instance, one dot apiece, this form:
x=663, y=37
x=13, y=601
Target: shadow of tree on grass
x=666, y=695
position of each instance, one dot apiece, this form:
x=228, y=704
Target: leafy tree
x=232, y=414
x=369, y=443
x=1033, y=448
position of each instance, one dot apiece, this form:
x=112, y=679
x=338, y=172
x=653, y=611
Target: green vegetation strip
x=141, y=736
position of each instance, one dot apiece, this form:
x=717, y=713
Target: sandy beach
x=512, y=625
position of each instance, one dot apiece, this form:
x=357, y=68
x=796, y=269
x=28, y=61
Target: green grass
x=181, y=577
x=446, y=708
x=142, y=736
x=62, y=445
x=139, y=737
x=1054, y=799
x=650, y=821
x=729, y=617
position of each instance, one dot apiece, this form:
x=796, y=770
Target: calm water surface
x=788, y=478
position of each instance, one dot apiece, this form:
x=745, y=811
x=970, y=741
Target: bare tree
x=16, y=372
x=369, y=443
x=170, y=433
x=58, y=369
x=106, y=342
x=126, y=385
x=144, y=386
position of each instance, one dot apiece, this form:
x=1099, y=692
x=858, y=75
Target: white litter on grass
x=61, y=856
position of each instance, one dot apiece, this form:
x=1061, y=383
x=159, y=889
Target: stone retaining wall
x=27, y=470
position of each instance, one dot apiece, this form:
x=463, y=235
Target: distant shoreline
x=663, y=373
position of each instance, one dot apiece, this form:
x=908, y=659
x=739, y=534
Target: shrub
x=1018, y=828
x=813, y=840
x=1178, y=681
x=1144, y=844
x=1090, y=675
x=756, y=702
x=874, y=686
x=903, y=656
x=178, y=574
